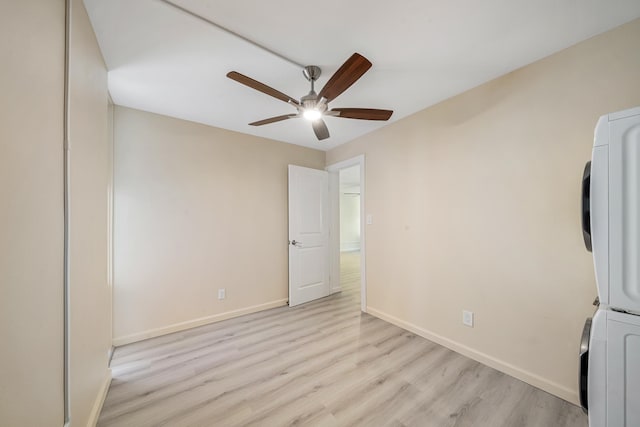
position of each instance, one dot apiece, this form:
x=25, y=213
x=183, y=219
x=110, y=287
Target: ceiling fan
x=314, y=107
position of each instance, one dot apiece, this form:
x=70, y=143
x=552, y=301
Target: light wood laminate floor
x=321, y=364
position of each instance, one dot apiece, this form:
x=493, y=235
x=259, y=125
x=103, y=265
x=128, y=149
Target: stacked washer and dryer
x=610, y=348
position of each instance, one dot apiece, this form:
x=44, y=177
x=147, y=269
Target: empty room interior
x=357, y=213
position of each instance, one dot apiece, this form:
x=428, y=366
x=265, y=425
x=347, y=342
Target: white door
x=308, y=234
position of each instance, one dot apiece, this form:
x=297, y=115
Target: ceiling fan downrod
x=310, y=100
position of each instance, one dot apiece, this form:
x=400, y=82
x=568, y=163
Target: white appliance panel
x=599, y=207
x=614, y=370
x=623, y=366
x=624, y=208
x=615, y=209
x=613, y=380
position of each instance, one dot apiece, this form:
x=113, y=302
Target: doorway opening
x=349, y=205
x=346, y=188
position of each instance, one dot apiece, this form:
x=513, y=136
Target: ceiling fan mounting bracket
x=311, y=72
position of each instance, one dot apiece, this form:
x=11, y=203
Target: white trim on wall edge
x=100, y=398
x=177, y=327
x=500, y=365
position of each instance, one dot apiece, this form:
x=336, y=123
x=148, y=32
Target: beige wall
x=31, y=222
x=89, y=166
x=475, y=203
x=196, y=209
x=31, y=251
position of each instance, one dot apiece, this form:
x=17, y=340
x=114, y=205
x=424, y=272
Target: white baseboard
x=500, y=365
x=110, y=354
x=177, y=327
x=100, y=398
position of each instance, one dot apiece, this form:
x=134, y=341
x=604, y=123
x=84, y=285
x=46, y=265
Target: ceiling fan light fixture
x=311, y=114
x=314, y=106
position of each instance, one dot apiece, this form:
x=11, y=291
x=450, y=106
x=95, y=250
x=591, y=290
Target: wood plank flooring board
x=319, y=364
x=238, y=377
x=211, y=358
x=221, y=332
x=447, y=405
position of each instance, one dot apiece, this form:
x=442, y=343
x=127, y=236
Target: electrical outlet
x=222, y=293
x=467, y=318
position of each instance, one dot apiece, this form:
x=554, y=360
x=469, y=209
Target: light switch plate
x=467, y=318
x=369, y=219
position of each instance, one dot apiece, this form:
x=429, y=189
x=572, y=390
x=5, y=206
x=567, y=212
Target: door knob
x=294, y=243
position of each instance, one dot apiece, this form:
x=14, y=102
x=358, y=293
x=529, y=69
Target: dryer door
x=586, y=211
x=597, y=379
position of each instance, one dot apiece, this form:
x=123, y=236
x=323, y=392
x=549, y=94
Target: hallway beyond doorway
x=350, y=275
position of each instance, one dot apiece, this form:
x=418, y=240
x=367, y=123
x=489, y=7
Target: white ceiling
x=423, y=51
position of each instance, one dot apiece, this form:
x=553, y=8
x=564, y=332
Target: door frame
x=334, y=226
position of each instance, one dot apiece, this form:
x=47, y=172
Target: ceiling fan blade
x=320, y=129
x=254, y=84
x=346, y=75
x=273, y=119
x=363, y=113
